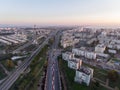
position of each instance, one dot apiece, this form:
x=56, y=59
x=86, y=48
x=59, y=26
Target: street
x=53, y=77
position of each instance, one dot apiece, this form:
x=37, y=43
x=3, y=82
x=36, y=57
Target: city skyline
x=62, y=12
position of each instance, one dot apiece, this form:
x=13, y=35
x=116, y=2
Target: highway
x=9, y=81
x=53, y=77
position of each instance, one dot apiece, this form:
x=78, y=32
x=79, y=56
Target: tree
x=10, y=63
x=116, y=88
x=113, y=75
x=95, y=85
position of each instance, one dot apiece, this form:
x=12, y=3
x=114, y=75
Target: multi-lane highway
x=53, y=77
x=14, y=76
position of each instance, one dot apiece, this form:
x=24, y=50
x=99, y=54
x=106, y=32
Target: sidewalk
x=103, y=84
x=6, y=71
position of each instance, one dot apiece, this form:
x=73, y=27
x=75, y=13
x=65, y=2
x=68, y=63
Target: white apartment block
x=67, y=56
x=74, y=64
x=87, y=54
x=114, y=44
x=84, y=74
x=66, y=43
x=100, y=48
x=102, y=55
x=68, y=39
x=112, y=51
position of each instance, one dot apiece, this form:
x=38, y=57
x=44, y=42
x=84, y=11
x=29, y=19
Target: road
x=6, y=71
x=14, y=76
x=53, y=77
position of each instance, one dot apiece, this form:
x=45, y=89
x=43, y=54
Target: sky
x=63, y=12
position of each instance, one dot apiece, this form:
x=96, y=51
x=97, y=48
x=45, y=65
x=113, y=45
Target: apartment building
x=85, y=53
x=67, y=56
x=74, y=63
x=84, y=74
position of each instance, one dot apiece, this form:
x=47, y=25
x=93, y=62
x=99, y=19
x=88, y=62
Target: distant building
x=100, y=48
x=112, y=51
x=13, y=39
x=68, y=39
x=103, y=55
x=5, y=42
x=9, y=40
x=84, y=74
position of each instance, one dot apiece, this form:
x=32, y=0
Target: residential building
x=112, y=51
x=67, y=56
x=84, y=74
x=74, y=64
x=85, y=53
x=100, y=48
x=103, y=55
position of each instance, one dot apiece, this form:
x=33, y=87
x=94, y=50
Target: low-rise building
x=84, y=74
x=8, y=39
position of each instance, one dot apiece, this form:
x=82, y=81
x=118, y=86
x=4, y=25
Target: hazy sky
x=59, y=11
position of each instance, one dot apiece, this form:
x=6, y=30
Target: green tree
x=116, y=88
x=113, y=75
x=95, y=85
x=10, y=63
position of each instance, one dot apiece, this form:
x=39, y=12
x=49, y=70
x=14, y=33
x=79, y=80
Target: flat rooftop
x=73, y=60
x=68, y=53
x=85, y=70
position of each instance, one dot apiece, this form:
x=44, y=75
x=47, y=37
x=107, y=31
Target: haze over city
x=59, y=44
x=60, y=12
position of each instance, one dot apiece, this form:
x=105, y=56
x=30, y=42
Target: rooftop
x=101, y=45
x=68, y=52
x=85, y=70
x=74, y=60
